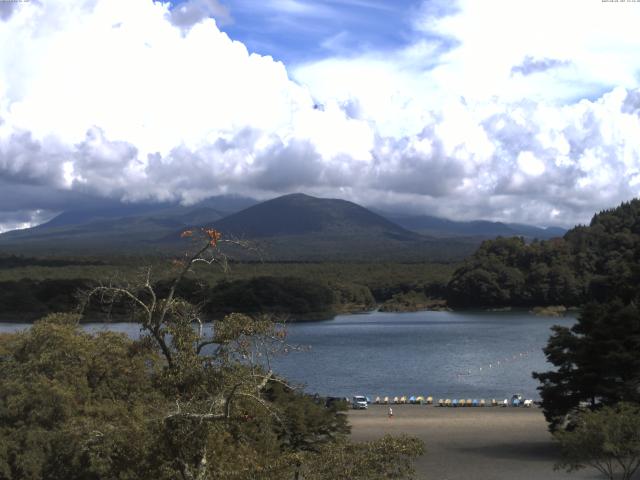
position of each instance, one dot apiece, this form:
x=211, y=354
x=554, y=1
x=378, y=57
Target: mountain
x=117, y=227
x=440, y=227
x=301, y=227
x=292, y=227
x=300, y=214
x=219, y=206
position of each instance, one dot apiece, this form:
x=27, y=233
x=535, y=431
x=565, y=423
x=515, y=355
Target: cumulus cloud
x=19, y=219
x=596, y=39
x=136, y=101
x=532, y=65
x=188, y=13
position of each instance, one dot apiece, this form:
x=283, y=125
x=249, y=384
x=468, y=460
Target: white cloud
x=116, y=82
x=190, y=12
x=119, y=99
x=530, y=164
x=496, y=35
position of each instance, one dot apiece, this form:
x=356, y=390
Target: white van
x=359, y=402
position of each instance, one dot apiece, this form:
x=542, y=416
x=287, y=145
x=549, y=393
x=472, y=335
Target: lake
x=443, y=354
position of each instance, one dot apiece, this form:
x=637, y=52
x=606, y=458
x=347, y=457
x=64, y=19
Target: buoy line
x=495, y=364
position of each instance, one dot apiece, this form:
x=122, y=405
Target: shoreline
x=32, y=318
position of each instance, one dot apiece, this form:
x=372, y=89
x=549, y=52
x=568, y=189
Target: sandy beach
x=490, y=443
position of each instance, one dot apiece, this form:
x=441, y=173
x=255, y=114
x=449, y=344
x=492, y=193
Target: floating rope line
x=494, y=364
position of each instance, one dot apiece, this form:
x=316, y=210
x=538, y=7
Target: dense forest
x=299, y=291
x=30, y=299
x=597, y=360
x=20, y=261
x=284, y=296
x=301, y=298
x=592, y=262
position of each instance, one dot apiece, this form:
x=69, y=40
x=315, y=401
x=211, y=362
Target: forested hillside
x=598, y=261
x=29, y=290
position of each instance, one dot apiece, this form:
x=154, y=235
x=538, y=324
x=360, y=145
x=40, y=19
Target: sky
x=506, y=110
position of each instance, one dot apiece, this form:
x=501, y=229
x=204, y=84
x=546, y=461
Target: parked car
x=359, y=402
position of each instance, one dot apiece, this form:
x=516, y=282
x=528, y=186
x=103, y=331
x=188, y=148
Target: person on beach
x=390, y=412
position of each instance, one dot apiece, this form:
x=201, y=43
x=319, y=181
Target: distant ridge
x=440, y=227
x=213, y=208
x=291, y=227
x=117, y=227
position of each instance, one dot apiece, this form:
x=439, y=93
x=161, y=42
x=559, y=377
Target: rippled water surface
x=443, y=354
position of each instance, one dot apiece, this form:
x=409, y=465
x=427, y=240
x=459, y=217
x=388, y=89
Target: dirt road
x=490, y=443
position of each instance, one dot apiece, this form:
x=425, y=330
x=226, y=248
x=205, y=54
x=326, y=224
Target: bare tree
x=213, y=372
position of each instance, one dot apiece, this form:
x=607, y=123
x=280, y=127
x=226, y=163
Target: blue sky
x=297, y=31
x=507, y=110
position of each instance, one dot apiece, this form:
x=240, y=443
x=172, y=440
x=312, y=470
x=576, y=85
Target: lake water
x=443, y=354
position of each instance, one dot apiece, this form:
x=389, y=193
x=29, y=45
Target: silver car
x=359, y=402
